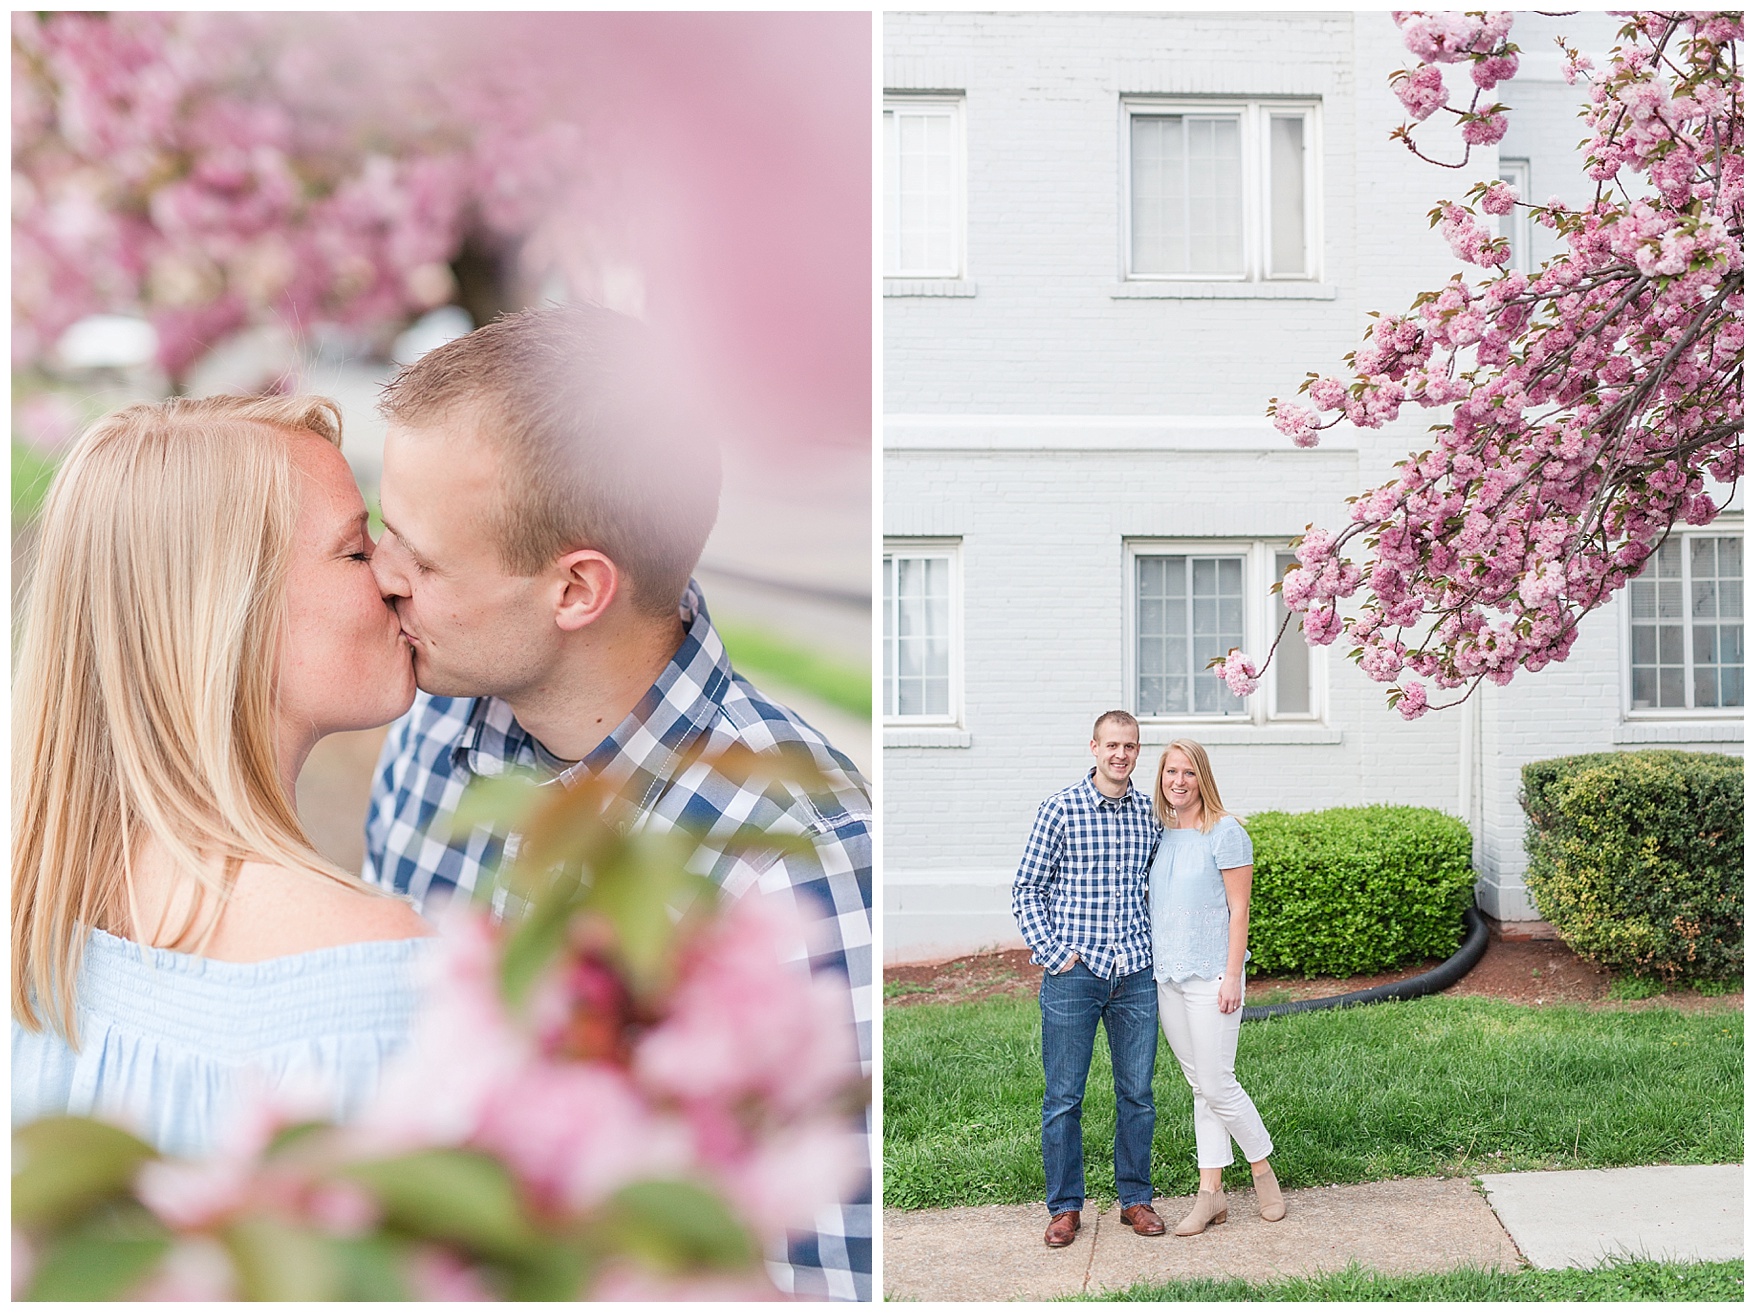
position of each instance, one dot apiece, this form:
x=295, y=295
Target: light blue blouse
x=1191, y=921
x=170, y=1043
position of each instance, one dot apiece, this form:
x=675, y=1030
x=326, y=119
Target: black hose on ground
x=1442, y=976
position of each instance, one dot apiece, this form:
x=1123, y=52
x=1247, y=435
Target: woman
x=1200, y=935
x=201, y=612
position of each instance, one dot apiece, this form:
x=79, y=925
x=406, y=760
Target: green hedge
x=1353, y=890
x=1637, y=859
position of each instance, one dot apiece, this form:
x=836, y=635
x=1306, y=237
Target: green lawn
x=1438, y=1086
x=1615, y=1281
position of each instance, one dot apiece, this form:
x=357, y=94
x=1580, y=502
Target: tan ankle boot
x=1209, y=1207
x=1267, y=1193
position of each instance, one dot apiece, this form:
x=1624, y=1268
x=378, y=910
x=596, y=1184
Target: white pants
x=1204, y=1041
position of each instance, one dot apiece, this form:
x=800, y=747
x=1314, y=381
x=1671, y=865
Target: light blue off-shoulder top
x=1191, y=921
x=171, y=1044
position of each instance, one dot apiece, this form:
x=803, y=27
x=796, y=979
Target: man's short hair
x=596, y=448
x=1126, y=717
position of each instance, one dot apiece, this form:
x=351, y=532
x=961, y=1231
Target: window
x=923, y=187
x=1685, y=626
x=1195, y=601
x=1515, y=227
x=1221, y=191
x=921, y=656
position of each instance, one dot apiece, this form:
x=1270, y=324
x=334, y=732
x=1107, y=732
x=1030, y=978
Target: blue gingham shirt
x=696, y=709
x=1081, y=887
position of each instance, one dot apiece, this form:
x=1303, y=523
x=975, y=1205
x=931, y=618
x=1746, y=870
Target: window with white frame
x=1515, y=227
x=1685, y=626
x=923, y=187
x=1194, y=601
x=921, y=641
x=1222, y=191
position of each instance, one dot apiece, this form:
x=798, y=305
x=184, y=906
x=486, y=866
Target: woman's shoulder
x=277, y=911
x=1227, y=824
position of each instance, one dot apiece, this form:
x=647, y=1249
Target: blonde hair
x=1211, y=809
x=143, y=703
x=596, y=448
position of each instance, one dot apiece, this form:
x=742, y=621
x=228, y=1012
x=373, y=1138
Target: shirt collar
x=1102, y=799
x=637, y=757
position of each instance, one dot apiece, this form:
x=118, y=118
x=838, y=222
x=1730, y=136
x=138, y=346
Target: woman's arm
x=1237, y=880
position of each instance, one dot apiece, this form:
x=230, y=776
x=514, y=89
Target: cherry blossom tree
x=214, y=171
x=1597, y=403
x=708, y=172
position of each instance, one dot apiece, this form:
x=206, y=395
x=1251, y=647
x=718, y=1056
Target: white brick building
x=1077, y=359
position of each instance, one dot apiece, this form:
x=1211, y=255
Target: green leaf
x=276, y=1260
x=554, y=1271
x=676, y=1225
x=63, y=1166
x=370, y=1268
x=496, y=802
x=96, y=1263
x=451, y=1195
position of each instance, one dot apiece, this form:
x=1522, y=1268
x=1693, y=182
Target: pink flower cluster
x=737, y=1082
x=1478, y=39
x=220, y=170
x=1593, y=401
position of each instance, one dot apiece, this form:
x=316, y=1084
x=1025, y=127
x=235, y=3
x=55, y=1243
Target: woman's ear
x=589, y=584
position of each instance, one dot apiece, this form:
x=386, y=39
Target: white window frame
x=1517, y=225
x=1724, y=527
x=953, y=104
x=949, y=549
x=1258, y=631
x=1257, y=238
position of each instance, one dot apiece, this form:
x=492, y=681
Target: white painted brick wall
x=1043, y=565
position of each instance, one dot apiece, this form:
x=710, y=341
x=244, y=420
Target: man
x=1080, y=902
x=545, y=501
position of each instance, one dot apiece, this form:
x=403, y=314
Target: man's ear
x=589, y=584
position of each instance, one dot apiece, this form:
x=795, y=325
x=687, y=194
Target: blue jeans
x=1072, y=1004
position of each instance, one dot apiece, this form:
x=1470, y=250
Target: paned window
x=1193, y=602
x=1221, y=191
x=920, y=638
x=923, y=188
x=1685, y=626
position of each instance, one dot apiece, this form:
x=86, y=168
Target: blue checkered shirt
x=698, y=708
x=1081, y=887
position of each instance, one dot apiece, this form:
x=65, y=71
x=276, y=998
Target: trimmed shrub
x=1353, y=890
x=1636, y=858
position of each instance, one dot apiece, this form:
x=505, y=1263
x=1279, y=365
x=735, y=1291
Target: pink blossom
x=1485, y=129
x=1412, y=704
x=441, y=1277
x=745, y=1023
x=1500, y=198
x=196, y=1270
x=1328, y=393
x=630, y=1283
x=1296, y=422
x=1239, y=674
x=1422, y=92
x=576, y=1133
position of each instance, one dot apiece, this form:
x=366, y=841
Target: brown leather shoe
x=1142, y=1219
x=1062, y=1227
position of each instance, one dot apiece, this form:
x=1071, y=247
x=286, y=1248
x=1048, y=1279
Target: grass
x=1435, y=1087
x=764, y=656
x=1628, y=1280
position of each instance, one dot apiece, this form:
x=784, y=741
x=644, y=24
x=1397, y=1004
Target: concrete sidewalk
x=1421, y=1225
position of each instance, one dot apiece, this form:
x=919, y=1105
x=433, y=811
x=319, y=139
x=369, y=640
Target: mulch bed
x=1519, y=971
